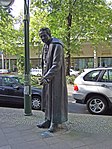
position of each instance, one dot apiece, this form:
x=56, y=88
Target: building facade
x=88, y=57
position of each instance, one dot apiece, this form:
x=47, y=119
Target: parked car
x=94, y=88
x=74, y=73
x=36, y=72
x=4, y=71
x=12, y=92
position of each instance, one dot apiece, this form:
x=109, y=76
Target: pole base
x=29, y=114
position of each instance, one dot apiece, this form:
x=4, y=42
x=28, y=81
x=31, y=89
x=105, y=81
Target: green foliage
x=73, y=21
x=20, y=64
x=70, y=79
x=35, y=80
x=37, y=21
x=90, y=20
x=9, y=36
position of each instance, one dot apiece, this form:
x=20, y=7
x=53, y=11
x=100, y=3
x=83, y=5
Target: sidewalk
x=80, y=132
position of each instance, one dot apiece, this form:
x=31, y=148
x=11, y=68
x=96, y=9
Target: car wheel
x=36, y=103
x=97, y=105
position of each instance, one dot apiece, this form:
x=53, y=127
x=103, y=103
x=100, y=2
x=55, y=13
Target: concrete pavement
x=80, y=132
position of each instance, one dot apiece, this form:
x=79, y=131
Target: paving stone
x=81, y=132
x=6, y=147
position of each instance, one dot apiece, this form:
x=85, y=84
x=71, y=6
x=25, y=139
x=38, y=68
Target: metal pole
x=27, y=86
x=2, y=60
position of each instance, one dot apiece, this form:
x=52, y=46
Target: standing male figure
x=54, y=92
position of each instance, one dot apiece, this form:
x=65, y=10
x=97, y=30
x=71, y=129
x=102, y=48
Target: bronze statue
x=54, y=92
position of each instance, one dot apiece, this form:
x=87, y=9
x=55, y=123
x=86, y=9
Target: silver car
x=94, y=88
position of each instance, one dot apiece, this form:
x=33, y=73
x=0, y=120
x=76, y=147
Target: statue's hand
x=43, y=81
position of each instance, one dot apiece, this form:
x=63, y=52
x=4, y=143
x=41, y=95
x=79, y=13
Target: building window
x=82, y=63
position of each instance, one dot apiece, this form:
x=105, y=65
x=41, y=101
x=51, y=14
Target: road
x=77, y=108
x=74, y=107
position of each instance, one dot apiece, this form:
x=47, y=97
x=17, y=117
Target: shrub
x=70, y=79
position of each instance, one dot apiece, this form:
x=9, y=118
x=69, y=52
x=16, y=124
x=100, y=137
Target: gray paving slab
x=6, y=147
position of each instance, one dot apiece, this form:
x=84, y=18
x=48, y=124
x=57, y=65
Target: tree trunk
x=68, y=56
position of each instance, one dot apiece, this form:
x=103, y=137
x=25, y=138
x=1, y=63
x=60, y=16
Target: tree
x=76, y=21
x=9, y=36
x=38, y=19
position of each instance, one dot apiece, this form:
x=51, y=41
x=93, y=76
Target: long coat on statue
x=54, y=94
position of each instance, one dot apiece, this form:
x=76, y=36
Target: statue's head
x=45, y=34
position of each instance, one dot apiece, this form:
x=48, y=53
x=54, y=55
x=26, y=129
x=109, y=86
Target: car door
x=105, y=83
x=2, y=91
x=90, y=82
x=11, y=92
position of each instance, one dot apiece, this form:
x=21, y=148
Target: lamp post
x=2, y=55
x=27, y=86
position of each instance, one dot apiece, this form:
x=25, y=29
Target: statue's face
x=44, y=36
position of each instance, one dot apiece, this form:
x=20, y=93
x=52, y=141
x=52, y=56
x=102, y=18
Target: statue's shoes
x=53, y=127
x=45, y=124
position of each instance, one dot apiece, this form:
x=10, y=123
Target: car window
x=110, y=75
x=92, y=76
x=0, y=81
x=18, y=80
x=107, y=76
x=7, y=81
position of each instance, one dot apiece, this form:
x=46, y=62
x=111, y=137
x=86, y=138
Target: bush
x=70, y=79
x=35, y=81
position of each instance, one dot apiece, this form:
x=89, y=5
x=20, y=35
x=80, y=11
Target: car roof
x=98, y=68
x=92, y=69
